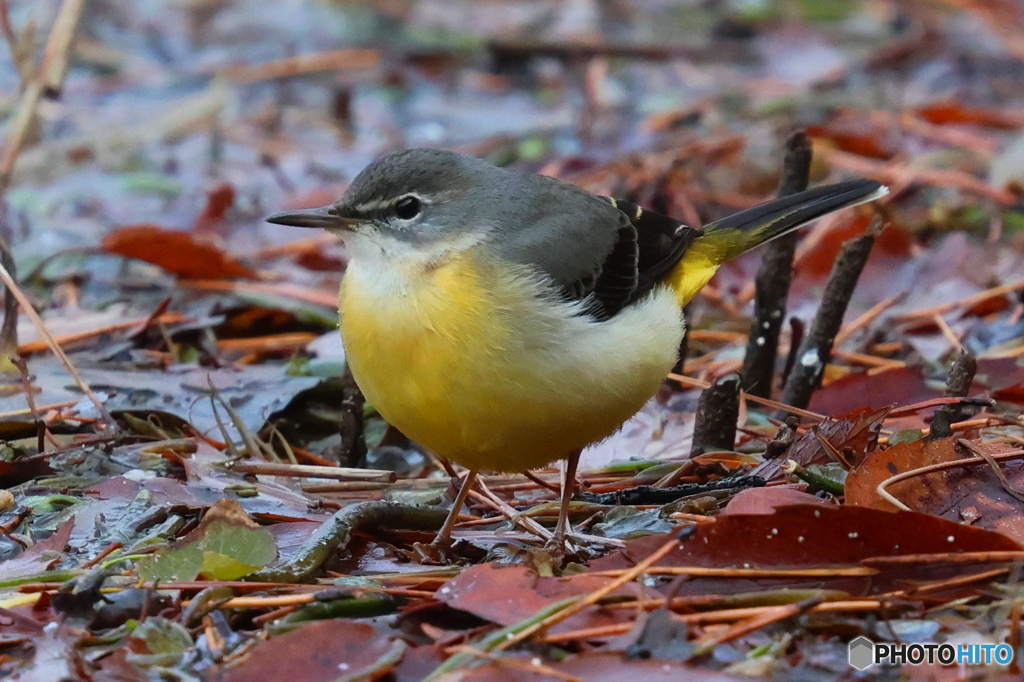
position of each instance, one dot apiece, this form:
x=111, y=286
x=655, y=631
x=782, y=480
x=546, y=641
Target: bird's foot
x=435, y=553
x=561, y=551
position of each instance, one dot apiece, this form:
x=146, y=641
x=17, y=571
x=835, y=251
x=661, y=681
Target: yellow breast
x=476, y=363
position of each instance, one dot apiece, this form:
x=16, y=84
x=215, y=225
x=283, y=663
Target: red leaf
x=767, y=500
x=40, y=556
x=508, y=595
x=218, y=201
x=899, y=386
x=849, y=140
x=177, y=252
x=955, y=112
x=322, y=651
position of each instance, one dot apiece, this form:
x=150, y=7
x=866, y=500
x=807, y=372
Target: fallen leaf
x=973, y=494
x=40, y=556
x=225, y=546
x=600, y=667
x=853, y=435
x=767, y=500
x=952, y=111
x=507, y=595
x=811, y=536
x=898, y=386
x=218, y=200
x=179, y=253
x=323, y=651
x=802, y=535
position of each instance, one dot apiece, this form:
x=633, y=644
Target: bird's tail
x=725, y=239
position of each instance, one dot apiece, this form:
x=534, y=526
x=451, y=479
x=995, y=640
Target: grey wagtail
x=505, y=320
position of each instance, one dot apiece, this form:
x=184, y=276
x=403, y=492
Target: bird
x=504, y=319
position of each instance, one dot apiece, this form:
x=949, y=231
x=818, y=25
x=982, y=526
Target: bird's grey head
x=422, y=197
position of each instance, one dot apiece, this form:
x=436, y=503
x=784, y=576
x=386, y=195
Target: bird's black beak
x=326, y=217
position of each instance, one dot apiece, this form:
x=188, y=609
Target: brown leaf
x=898, y=386
x=767, y=500
x=177, y=252
x=933, y=494
x=40, y=556
x=972, y=494
x=854, y=436
x=508, y=595
x=815, y=535
x=322, y=651
x=601, y=667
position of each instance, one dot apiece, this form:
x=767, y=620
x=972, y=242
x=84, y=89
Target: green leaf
x=231, y=551
x=225, y=546
x=179, y=563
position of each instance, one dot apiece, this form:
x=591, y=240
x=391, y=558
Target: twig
x=953, y=557
x=958, y=385
x=773, y=614
x=747, y=573
x=967, y=302
x=866, y=318
x=281, y=289
x=310, y=471
x=1009, y=487
x=948, y=332
x=335, y=60
x=717, y=412
x=894, y=173
x=9, y=35
x=58, y=45
x=26, y=305
x=36, y=345
x=41, y=408
x=775, y=404
x=773, y=279
x=816, y=348
x=57, y=55
x=9, y=327
x=937, y=402
x=515, y=518
x=353, y=442
x=708, y=617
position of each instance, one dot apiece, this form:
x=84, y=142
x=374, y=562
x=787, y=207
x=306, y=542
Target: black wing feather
x=647, y=248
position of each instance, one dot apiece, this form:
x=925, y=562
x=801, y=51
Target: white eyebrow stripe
x=369, y=206
x=378, y=204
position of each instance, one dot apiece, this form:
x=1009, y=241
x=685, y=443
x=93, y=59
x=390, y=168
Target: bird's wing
x=660, y=242
x=605, y=252
x=610, y=253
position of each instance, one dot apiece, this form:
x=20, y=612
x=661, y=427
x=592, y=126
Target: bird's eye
x=408, y=208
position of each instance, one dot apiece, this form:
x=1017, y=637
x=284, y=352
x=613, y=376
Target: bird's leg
x=444, y=536
x=568, y=487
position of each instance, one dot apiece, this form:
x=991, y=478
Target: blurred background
x=197, y=118
x=166, y=98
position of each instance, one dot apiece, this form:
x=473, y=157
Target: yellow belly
x=477, y=367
